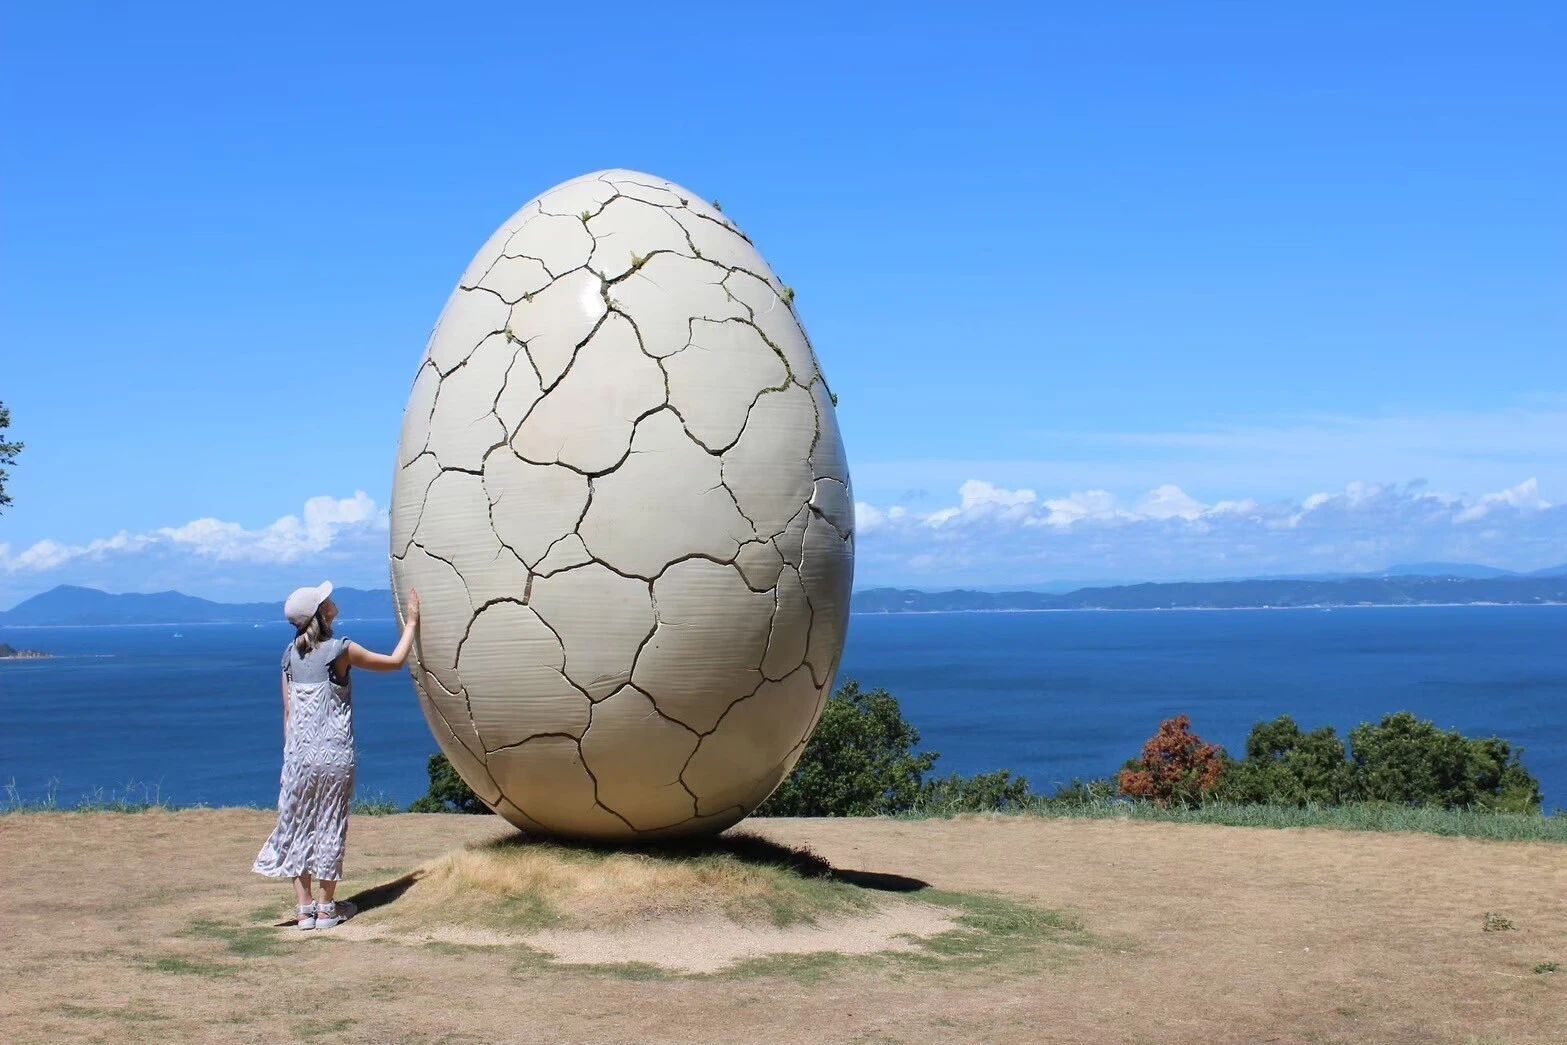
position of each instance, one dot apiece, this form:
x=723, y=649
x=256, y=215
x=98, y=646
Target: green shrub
x=1406, y=759
x=1284, y=765
x=1402, y=759
x=986, y=792
x=448, y=793
x=1081, y=794
x=860, y=761
x=1500, y=779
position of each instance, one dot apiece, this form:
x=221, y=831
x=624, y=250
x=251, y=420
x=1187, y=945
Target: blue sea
x=194, y=711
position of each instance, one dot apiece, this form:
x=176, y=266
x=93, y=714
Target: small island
x=8, y=652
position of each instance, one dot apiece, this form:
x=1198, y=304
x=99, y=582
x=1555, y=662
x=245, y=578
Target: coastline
x=1219, y=609
x=892, y=613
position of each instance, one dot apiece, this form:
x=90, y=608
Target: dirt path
x=122, y=928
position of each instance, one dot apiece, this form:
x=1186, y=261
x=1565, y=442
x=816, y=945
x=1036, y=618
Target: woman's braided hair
x=312, y=634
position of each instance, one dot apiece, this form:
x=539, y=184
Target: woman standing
x=318, y=750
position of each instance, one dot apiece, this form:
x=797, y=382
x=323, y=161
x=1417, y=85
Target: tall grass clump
x=132, y=798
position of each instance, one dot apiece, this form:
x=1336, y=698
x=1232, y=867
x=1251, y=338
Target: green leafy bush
x=1287, y=766
x=448, y=793
x=982, y=793
x=1081, y=794
x=1402, y=759
x=860, y=761
x=1406, y=759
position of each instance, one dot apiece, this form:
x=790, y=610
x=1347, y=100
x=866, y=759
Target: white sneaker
x=306, y=915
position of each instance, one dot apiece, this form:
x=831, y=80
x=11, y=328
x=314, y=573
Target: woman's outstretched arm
x=360, y=657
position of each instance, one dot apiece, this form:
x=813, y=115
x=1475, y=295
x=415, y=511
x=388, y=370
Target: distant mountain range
x=70, y=605
x=1396, y=586
x=1423, y=569
x=1216, y=595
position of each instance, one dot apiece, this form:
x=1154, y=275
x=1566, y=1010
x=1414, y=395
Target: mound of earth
x=680, y=907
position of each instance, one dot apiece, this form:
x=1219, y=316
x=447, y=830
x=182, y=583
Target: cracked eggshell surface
x=622, y=496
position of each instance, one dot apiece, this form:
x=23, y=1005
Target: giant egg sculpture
x=623, y=499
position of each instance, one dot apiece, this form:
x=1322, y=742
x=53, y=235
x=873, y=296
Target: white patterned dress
x=318, y=769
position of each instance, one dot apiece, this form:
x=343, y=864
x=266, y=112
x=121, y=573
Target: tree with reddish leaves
x=1177, y=766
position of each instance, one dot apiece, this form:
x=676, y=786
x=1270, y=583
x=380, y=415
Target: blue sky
x=1304, y=268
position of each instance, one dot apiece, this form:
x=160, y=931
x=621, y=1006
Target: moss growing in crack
x=788, y=296
x=718, y=206
x=585, y=215
x=834, y=397
x=637, y=261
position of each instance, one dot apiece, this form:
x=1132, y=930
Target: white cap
x=302, y=605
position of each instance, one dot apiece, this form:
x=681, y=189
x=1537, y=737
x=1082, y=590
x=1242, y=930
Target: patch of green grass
x=994, y=931
x=125, y=1015
x=1545, y=968
x=635, y=972
x=248, y=941
x=1357, y=816
x=173, y=963
x=459, y=949
x=319, y=1028
x=1497, y=923
x=801, y=901
x=817, y=967
x=389, y=988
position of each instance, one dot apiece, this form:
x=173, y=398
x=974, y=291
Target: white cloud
x=996, y=535
x=326, y=522
x=1099, y=505
x=979, y=500
x=868, y=518
x=1282, y=457
x=1524, y=497
x=1170, y=502
x=988, y=533
x=50, y=554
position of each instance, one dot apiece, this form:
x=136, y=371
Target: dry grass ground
x=151, y=927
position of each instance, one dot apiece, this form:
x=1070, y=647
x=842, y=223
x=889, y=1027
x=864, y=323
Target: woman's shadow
x=741, y=846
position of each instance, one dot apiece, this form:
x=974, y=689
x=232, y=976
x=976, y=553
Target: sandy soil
x=1207, y=934
x=701, y=944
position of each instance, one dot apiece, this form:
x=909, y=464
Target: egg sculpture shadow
x=622, y=497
